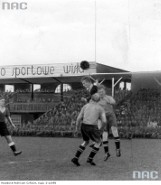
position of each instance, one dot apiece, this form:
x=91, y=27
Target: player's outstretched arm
x=111, y=100
x=11, y=122
x=79, y=119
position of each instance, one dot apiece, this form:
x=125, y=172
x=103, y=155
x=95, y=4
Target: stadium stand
x=58, y=120
x=138, y=115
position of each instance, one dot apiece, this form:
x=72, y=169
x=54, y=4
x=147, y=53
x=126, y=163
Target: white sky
x=128, y=33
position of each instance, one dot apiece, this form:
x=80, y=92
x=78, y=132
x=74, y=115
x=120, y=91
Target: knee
x=105, y=136
x=97, y=145
x=85, y=143
x=114, y=131
x=8, y=139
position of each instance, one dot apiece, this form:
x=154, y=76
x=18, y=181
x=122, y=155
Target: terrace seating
x=138, y=114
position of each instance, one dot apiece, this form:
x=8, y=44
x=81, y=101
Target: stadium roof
x=101, y=68
x=97, y=71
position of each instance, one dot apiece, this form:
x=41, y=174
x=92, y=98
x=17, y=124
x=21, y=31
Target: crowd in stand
x=137, y=114
x=121, y=94
x=37, y=90
x=37, y=99
x=38, y=96
x=61, y=118
x=140, y=114
x=7, y=95
x=142, y=108
x=64, y=113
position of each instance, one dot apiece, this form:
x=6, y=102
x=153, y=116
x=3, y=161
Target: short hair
x=101, y=87
x=95, y=97
x=86, y=78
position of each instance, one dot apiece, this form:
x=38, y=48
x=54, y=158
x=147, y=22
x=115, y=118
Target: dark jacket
x=93, y=90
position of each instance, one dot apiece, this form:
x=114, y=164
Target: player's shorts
x=90, y=132
x=111, y=121
x=4, y=130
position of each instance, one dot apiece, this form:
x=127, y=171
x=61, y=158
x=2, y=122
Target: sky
x=120, y=33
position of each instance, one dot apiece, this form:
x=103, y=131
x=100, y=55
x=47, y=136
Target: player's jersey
x=92, y=91
x=4, y=114
x=91, y=112
x=106, y=102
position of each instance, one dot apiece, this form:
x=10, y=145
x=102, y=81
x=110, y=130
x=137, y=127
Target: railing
x=37, y=97
x=30, y=107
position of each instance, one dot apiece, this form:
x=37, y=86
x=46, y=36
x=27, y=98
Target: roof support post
x=32, y=92
x=114, y=84
x=31, y=88
x=61, y=91
x=61, y=88
x=118, y=81
x=92, y=78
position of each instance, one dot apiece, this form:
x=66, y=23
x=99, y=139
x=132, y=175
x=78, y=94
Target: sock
x=117, y=142
x=12, y=146
x=79, y=151
x=93, y=153
x=105, y=145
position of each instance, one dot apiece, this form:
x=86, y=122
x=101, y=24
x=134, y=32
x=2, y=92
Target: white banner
x=48, y=70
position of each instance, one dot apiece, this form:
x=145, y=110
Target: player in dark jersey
x=89, y=86
x=4, y=114
x=90, y=113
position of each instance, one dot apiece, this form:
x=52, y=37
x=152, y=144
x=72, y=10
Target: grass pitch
x=50, y=159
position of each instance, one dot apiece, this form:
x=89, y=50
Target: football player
x=107, y=103
x=4, y=114
x=89, y=115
